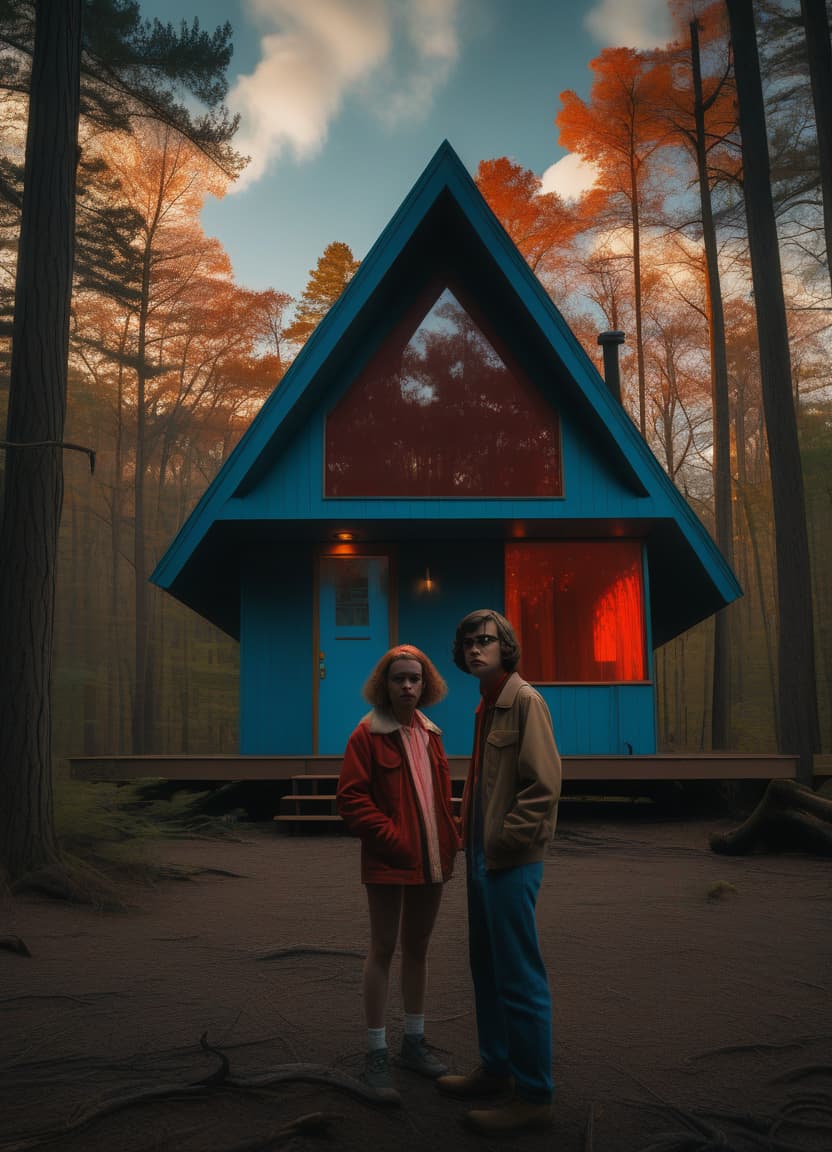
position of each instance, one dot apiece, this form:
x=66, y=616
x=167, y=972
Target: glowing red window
x=578, y=609
x=439, y=412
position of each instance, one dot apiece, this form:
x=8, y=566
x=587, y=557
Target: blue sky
x=343, y=102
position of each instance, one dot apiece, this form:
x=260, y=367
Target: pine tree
x=99, y=59
x=327, y=280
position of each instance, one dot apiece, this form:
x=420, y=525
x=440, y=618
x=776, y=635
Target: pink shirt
x=415, y=740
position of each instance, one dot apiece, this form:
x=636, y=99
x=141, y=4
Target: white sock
x=414, y=1024
x=376, y=1038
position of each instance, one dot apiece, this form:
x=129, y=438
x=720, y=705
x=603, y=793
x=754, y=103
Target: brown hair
x=509, y=647
x=434, y=687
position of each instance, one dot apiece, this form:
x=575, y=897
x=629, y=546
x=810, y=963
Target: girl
x=394, y=792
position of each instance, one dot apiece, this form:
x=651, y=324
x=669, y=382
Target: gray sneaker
x=417, y=1056
x=376, y=1075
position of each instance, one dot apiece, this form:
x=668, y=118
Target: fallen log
x=790, y=817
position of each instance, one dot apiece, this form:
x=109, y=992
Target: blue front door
x=353, y=632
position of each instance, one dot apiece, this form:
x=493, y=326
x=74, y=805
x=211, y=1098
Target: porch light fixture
x=345, y=537
x=427, y=586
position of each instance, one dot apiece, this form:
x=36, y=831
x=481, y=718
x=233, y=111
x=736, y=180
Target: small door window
x=352, y=596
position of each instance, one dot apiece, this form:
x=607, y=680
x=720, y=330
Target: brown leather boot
x=513, y=1116
x=478, y=1083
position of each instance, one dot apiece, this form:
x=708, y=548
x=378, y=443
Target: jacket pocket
x=503, y=737
x=500, y=755
x=388, y=759
x=387, y=781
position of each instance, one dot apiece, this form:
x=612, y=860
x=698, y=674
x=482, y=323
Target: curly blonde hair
x=434, y=687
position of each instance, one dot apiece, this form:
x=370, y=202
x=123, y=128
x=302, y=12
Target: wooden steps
x=312, y=801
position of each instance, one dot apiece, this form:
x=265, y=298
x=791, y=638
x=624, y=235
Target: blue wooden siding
x=293, y=489
x=276, y=615
x=602, y=719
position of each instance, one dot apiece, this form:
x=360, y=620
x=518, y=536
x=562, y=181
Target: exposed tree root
x=71, y=880
x=790, y=816
x=14, y=944
x=804, y=1110
x=810, y=1111
x=309, y=950
x=311, y=1073
x=218, y=1081
x=695, y=1124
x=762, y=1046
x=792, y=1074
x=220, y=1075
x=82, y=1000
x=179, y=872
x=759, y=1124
x=50, y=883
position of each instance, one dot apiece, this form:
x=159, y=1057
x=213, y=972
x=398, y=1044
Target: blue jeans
x=514, y=1007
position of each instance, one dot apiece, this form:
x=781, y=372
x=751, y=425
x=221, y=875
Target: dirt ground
x=689, y=989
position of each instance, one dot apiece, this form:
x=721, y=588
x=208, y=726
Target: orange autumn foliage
x=619, y=128
x=541, y=224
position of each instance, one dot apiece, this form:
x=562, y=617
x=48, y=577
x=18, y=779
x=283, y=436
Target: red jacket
x=377, y=800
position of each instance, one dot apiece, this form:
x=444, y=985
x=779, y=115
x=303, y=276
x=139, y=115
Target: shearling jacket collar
x=383, y=723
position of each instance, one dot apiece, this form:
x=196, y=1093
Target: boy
x=509, y=811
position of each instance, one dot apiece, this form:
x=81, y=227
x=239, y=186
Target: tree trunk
x=37, y=409
x=763, y=607
x=142, y=723
x=117, y=640
x=816, y=24
x=797, y=698
x=707, y=687
x=721, y=687
x=642, y=388
x=139, y=562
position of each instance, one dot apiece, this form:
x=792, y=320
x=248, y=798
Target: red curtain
x=578, y=608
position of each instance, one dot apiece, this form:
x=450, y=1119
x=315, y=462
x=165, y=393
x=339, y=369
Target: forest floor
x=692, y=995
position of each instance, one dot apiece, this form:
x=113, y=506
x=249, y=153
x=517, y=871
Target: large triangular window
x=440, y=412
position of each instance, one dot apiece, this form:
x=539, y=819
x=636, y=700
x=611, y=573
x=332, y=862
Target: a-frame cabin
x=443, y=443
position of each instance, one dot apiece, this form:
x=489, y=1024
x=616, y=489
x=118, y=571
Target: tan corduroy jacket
x=521, y=779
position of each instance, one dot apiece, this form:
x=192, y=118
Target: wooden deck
x=663, y=766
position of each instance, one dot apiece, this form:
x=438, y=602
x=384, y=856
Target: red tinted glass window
x=578, y=609
x=438, y=412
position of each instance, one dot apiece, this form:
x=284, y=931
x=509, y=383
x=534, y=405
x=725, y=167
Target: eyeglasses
x=481, y=641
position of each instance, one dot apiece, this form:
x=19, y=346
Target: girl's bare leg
x=420, y=907
x=385, y=905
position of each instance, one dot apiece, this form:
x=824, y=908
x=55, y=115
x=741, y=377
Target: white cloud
x=314, y=52
x=569, y=177
x=431, y=25
x=630, y=23
x=430, y=28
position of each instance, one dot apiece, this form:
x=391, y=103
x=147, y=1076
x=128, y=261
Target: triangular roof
x=446, y=212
